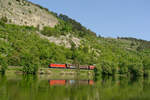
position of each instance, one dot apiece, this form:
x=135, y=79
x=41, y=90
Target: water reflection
x=28, y=87
x=71, y=82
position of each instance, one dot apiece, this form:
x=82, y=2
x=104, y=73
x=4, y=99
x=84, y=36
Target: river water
x=28, y=87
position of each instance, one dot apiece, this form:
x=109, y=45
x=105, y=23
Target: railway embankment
x=53, y=72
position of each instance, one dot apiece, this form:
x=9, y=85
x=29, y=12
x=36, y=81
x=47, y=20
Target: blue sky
x=109, y=18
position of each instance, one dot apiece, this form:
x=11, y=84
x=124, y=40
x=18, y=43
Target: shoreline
x=53, y=73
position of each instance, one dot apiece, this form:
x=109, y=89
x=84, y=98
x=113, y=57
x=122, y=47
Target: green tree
x=4, y=65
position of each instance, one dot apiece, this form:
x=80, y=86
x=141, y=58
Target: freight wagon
x=71, y=66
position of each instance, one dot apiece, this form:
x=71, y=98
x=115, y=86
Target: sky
x=108, y=18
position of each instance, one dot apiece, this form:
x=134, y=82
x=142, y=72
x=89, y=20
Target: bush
x=48, y=31
x=9, y=3
x=18, y=0
x=107, y=68
x=30, y=11
x=123, y=70
x=4, y=19
x=123, y=67
x=146, y=65
x=136, y=69
x=4, y=65
x=31, y=66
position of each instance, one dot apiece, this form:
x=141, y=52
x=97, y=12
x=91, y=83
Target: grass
x=53, y=73
x=66, y=72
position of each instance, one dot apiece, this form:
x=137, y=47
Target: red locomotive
x=71, y=66
x=57, y=66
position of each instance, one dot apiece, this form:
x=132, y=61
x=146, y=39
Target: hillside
x=69, y=42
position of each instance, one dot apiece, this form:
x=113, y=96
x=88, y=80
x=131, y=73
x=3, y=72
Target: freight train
x=71, y=66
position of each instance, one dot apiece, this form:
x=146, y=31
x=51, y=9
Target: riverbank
x=47, y=73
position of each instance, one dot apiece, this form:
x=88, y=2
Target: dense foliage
x=22, y=46
x=67, y=26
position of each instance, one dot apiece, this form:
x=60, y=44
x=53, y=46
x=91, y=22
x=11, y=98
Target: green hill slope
x=31, y=48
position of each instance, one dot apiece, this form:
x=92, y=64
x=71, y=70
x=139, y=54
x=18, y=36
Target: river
x=29, y=87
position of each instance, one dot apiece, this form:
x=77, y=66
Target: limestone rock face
x=22, y=12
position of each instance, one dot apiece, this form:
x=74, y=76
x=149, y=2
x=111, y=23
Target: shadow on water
x=29, y=87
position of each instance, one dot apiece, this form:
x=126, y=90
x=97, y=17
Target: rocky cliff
x=22, y=12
